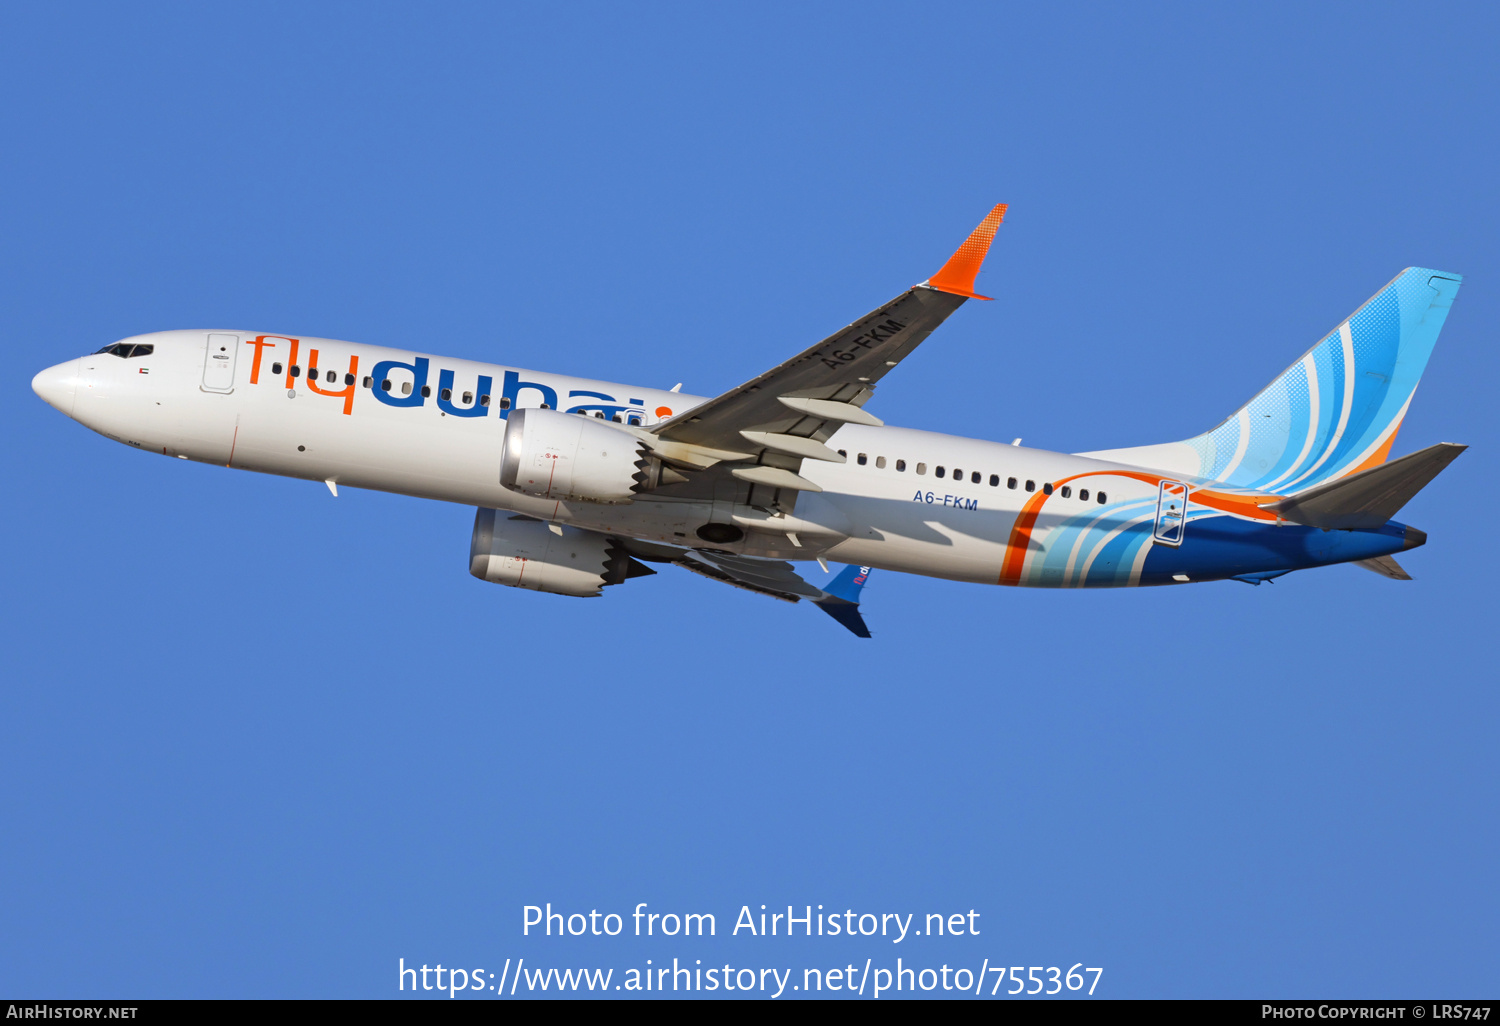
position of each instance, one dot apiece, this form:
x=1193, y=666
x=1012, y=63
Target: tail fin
x=1334, y=412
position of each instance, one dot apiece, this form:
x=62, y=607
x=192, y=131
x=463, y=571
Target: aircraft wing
x=776, y=578
x=771, y=423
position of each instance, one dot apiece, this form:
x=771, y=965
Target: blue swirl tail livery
x=577, y=483
x=1335, y=411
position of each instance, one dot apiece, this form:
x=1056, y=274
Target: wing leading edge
x=768, y=425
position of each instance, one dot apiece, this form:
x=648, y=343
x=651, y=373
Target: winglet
x=958, y=274
x=842, y=602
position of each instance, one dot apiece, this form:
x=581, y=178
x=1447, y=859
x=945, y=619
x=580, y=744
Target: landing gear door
x=1171, y=513
x=218, y=362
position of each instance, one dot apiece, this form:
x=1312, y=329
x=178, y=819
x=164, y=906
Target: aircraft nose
x=58, y=386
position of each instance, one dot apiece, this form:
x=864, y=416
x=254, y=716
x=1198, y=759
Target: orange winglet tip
x=958, y=274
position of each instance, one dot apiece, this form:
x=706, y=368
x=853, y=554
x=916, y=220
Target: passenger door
x=1171, y=513
x=218, y=362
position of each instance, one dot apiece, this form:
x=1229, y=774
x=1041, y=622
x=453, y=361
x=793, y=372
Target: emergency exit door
x=1171, y=513
x=218, y=362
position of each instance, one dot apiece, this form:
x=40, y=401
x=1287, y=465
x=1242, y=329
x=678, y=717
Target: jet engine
x=527, y=553
x=555, y=455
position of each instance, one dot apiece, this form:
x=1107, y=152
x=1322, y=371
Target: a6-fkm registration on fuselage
x=579, y=483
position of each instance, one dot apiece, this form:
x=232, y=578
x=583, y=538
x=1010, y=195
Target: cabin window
x=331, y=377
x=426, y=391
x=348, y=378
x=368, y=382
x=1010, y=482
x=862, y=459
x=484, y=400
x=1067, y=493
x=958, y=475
x=406, y=388
x=468, y=398
x=1031, y=486
x=939, y=471
x=276, y=368
x=994, y=480
x=504, y=403
x=974, y=477
x=1083, y=494
x=296, y=371
x=901, y=466
x=312, y=374
x=446, y=394
x=1047, y=488
x=385, y=386
x=546, y=406
x=1101, y=498
x=843, y=454
x=921, y=468
x=634, y=421
x=617, y=419
x=879, y=462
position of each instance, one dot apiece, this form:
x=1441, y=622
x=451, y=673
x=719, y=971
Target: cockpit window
x=126, y=350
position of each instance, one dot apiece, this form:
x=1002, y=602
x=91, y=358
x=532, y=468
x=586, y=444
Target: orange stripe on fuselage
x=1019, y=542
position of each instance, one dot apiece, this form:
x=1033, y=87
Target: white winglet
x=332, y=487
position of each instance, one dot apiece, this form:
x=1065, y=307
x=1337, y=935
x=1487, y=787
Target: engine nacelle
x=555, y=455
x=527, y=554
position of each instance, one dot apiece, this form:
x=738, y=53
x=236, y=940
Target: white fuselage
x=897, y=504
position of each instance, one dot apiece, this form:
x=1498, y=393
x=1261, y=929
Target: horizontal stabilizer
x=1385, y=566
x=1370, y=498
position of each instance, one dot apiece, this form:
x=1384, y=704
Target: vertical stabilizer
x=1335, y=411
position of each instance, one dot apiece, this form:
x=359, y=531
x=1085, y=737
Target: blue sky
x=260, y=742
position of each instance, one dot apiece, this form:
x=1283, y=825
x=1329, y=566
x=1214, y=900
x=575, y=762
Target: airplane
x=578, y=484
